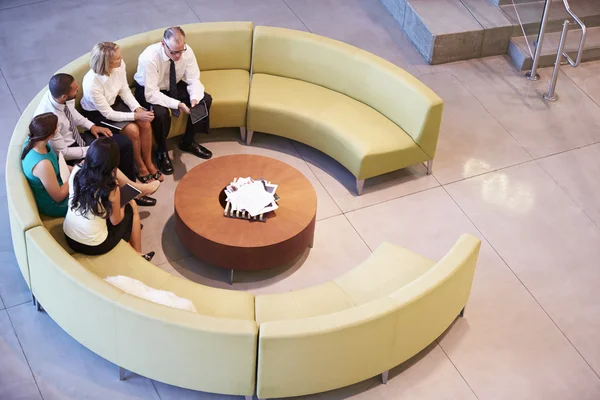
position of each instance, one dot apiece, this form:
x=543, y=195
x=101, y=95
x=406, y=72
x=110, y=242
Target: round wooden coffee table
x=237, y=244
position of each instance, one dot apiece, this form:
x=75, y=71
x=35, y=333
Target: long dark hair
x=41, y=128
x=97, y=179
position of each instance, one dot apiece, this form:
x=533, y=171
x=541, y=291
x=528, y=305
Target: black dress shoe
x=196, y=149
x=145, y=201
x=164, y=163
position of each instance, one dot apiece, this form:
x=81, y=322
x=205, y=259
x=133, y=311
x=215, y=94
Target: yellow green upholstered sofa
x=218, y=349
x=213, y=350
x=363, y=323
x=361, y=110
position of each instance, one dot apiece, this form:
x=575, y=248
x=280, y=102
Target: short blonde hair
x=101, y=55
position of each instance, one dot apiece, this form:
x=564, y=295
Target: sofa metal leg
x=249, y=137
x=462, y=313
x=38, y=306
x=231, y=277
x=384, y=377
x=429, y=167
x=121, y=373
x=33, y=300
x=360, y=184
x=243, y=133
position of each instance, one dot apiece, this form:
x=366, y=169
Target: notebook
x=63, y=168
x=198, y=112
x=128, y=193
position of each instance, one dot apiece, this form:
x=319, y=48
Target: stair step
x=506, y=2
x=518, y=52
x=531, y=14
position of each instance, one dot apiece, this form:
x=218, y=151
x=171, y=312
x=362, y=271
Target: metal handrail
x=533, y=75
x=551, y=95
x=583, y=34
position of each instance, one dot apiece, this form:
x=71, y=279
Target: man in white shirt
x=168, y=77
x=60, y=100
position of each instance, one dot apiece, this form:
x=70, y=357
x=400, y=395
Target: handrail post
x=533, y=75
x=551, y=96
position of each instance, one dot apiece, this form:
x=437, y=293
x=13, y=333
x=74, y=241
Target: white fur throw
x=140, y=289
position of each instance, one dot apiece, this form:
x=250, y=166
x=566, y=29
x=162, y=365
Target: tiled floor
x=520, y=173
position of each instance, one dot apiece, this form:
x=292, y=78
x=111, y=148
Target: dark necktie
x=173, y=86
x=78, y=139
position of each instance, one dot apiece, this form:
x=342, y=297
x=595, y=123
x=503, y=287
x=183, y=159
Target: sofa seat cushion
x=55, y=227
x=388, y=269
x=123, y=260
x=359, y=137
x=229, y=89
x=213, y=301
x=313, y=301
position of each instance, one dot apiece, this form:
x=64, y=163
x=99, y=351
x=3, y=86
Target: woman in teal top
x=40, y=166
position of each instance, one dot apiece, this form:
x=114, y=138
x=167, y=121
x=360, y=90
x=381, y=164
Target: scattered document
x=255, y=197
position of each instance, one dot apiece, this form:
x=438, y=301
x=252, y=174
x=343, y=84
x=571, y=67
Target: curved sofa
x=365, y=112
x=220, y=349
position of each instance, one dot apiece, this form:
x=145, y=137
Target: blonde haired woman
x=107, y=97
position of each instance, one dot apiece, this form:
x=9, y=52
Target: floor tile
x=5, y=236
x=9, y=115
x=586, y=77
x=13, y=288
x=261, y=12
x=30, y=56
x=169, y=392
x=82, y=374
x=542, y=128
x=337, y=249
x=429, y=375
x=547, y=240
x=504, y=333
x=159, y=229
x=341, y=184
x=577, y=172
x=18, y=3
x=16, y=379
x=471, y=140
x=352, y=21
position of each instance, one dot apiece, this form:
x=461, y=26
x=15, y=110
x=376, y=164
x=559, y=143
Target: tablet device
x=128, y=193
x=121, y=107
x=115, y=124
x=198, y=112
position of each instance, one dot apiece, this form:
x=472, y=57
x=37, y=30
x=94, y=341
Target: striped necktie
x=73, y=125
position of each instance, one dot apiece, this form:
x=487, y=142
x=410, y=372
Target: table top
x=197, y=201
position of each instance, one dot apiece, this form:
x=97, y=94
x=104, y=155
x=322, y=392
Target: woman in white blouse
x=107, y=97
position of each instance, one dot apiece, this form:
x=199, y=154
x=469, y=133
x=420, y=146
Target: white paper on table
x=252, y=197
x=63, y=168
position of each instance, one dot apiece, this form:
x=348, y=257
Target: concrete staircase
x=452, y=30
x=530, y=13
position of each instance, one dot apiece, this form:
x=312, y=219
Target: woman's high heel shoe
x=148, y=256
x=144, y=178
x=154, y=185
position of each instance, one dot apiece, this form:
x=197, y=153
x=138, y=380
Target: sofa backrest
x=429, y=304
x=22, y=209
x=354, y=72
x=217, y=45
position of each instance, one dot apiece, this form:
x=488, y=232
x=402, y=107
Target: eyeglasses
x=174, y=53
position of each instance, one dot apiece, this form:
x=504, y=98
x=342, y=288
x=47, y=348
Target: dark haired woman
x=40, y=166
x=95, y=221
